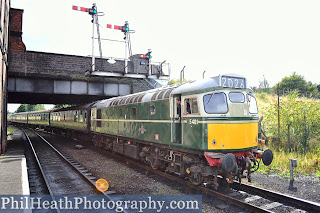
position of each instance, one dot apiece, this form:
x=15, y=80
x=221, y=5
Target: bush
x=299, y=118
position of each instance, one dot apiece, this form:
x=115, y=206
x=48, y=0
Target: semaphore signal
x=116, y=27
x=83, y=9
x=91, y=11
x=125, y=29
x=94, y=13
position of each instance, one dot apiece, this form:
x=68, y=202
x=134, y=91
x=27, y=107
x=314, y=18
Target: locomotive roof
x=145, y=96
x=165, y=92
x=194, y=86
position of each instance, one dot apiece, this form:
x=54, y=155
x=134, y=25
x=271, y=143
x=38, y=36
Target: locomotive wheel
x=195, y=178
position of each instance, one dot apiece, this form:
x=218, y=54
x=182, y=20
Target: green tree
x=38, y=107
x=29, y=107
x=60, y=106
x=293, y=82
x=22, y=108
x=297, y=82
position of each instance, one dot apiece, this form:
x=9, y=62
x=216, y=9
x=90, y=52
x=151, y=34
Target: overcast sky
x=252, y=38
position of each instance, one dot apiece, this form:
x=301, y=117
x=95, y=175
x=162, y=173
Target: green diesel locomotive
x=199, y=129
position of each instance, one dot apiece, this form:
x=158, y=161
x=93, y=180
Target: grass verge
x=308, y=164
x=10, y=130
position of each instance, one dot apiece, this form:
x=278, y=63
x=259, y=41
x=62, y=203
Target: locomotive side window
x=194, y=106
x=191, y=106
x=253, y=108
x=154, y=96
x=134, y=111
x=152, y=110
x=140, y=97
x=236, y=97
x=167, y=95
x=215, y=103
x=160, y=95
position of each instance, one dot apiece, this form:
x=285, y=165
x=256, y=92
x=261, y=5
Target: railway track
x=227, y=198
x=304, y=204
x=244, y=196
x=59, y=173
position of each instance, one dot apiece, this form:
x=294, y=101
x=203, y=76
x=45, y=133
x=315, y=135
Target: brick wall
x=15, y=22
x=29, y=62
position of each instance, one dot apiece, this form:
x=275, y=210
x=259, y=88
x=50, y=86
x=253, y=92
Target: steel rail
x=75, y=168
x=216, y=194
x=41, y=169
x=301, y=203
x=306, y=204
x=84, y=176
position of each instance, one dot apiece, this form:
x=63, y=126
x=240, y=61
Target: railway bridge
x=49, y=78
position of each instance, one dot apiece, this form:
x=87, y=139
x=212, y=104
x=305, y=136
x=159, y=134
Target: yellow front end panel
x=234, y=136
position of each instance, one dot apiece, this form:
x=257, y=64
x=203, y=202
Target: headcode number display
x=232, y=82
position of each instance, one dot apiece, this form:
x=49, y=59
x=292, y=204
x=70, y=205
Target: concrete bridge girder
x=64, y=89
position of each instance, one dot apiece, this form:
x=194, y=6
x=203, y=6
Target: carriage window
x=253, y=108
x=152, y=110
x=215, y=103
x=99, y=116
x=236, y=97
x=81, y=117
